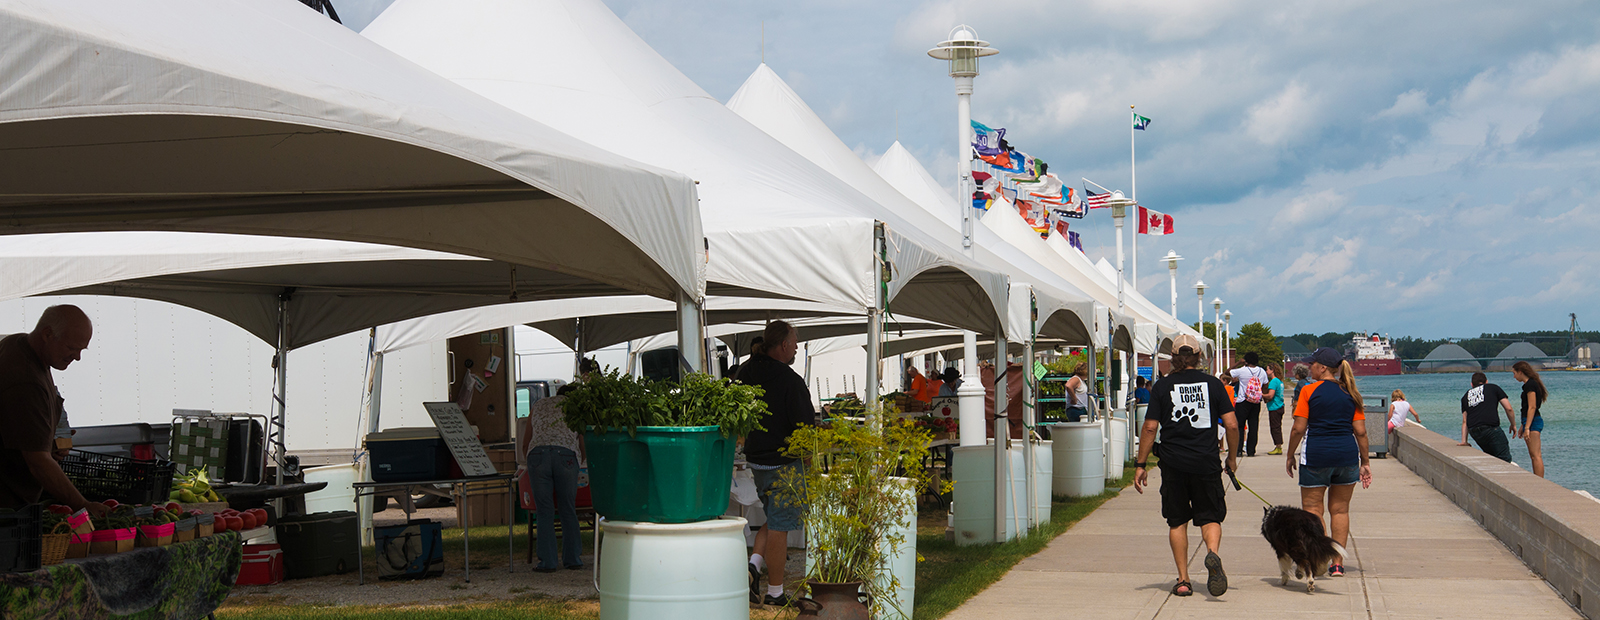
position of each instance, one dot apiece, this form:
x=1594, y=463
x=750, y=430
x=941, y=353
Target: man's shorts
x=1318, y=477
x=783, y=511
x=1192, y=497
x=1538, y=424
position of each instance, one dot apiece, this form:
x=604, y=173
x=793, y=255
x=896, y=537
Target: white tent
x=775, y=222
x=770, y=104
x=266, y=118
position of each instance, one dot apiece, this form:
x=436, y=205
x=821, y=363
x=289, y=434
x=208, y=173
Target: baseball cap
x=1186, y=340
x=1325, y=356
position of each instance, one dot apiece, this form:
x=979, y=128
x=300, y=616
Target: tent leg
x=281, y=362
x=1028, y=418
x=691, y=334
x=875, y=321
x=1002, y=439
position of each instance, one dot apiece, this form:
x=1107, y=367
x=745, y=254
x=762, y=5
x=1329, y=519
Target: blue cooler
x=408, y=455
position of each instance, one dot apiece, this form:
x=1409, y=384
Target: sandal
x=1182, y=589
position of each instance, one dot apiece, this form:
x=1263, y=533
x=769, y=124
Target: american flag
x=1096, y=201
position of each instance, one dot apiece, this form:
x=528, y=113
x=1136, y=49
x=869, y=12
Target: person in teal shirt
x=1274, y=398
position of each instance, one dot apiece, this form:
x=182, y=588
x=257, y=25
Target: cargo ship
x=1372, y=355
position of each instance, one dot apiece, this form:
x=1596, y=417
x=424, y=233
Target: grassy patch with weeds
x=950, y=575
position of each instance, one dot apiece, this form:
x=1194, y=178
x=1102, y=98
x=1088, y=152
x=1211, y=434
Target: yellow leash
x=1237, y=485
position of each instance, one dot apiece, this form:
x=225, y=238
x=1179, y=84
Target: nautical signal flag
x=1140, y=122
x=1075, y=241
x=1061, y=228
x=1154, y=222
x=987, y=141
x=1094, y=200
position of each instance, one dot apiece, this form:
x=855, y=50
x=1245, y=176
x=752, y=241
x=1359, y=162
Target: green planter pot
x=661, y=474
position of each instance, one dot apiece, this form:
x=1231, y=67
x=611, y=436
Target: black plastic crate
x=100, y=477
x=20, y=539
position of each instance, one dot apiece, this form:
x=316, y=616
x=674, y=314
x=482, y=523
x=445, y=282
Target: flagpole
x=1134, y=191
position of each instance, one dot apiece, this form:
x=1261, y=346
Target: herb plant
x=614, y=400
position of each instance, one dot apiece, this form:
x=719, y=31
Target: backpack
x=1252, y=389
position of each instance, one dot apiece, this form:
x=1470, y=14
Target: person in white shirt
x=1399, y=408
x=1247, y=396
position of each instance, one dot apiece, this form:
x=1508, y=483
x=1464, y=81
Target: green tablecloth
x=185, y=581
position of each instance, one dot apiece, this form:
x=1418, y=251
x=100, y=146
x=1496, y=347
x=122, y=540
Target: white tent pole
x=1002, y=437
x=875, y=318
x=1028, y=413
x=691, y=333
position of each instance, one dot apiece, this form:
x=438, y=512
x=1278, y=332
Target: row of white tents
x=456, y=168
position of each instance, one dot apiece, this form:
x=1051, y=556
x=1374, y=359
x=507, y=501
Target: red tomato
x=261, y=515
x=174, y=507
x=111, y=503
x=61, y=510
x=249, y=520
x=234, y=523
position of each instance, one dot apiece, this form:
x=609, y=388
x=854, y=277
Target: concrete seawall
x=1555, y=531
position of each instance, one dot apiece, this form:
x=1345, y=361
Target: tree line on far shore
x=1552, y=342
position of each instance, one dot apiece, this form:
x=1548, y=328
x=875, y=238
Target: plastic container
x=21, y=539
x=262, y=565
x=1116, y=448
x=100, y=477
x=338, y=495
x=324, y=543
x=1043, y=468
x=408, y=455
x=661, y=474
x=1079, y=459
x=673, y=571
x=902, y=562
x=974, y=496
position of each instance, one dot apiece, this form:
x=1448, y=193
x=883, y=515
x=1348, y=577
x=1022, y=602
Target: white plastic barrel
x=974, y=496
x=338, y=495
x=1079, y=461
x=1043, y=465
x=674, y=571
x=1117, y=449
x=902, y=561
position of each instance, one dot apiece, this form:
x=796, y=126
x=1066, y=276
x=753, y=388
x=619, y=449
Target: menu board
x=458, y=436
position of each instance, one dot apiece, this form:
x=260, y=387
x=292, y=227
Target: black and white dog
x=1297, y=537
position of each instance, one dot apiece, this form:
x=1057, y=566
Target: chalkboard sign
x=458, y=436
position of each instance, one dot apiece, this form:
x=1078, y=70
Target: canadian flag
x=1154, y=222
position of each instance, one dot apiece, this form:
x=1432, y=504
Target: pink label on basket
x=82, y=539
x=78, y=518
x=157, y=531
x=126, y=533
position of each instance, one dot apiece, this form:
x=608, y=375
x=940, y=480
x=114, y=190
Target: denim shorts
x=1538, y=423
x=783, y=512
x=1317, y=477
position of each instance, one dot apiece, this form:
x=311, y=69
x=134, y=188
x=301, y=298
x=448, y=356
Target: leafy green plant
x=620, y=401
x=853, y=518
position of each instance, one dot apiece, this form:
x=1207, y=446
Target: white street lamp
x=1119, y=212
x=1171, y=259
x=1227, y=333
x=1216, y=333
x=963, y=50
x=1200, y=307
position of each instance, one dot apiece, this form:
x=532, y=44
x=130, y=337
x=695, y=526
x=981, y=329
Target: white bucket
x=1117, y=450
x=1043, y=465
x=974, y=496
x=1079, y=459
x=903, y=561
x=674, y=571
x=338, y=495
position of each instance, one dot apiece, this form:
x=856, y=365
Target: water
x=1571, y=434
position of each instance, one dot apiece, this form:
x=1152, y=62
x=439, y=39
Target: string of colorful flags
x=1011, y=178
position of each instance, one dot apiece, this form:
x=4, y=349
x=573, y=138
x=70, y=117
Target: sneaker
x=1217, y=582
x=756, y=584
x=1278, y=451
x=781, y=600
x=1336, y=570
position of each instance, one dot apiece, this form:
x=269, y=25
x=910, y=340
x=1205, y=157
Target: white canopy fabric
x=770, y=104
x=266, y=118
x=776, y=223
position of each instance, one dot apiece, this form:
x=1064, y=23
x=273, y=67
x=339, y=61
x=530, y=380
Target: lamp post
x=1216, y=333
x=1200, y=307
x=1171, y=259
x=1119, y=212
x=1227, y=333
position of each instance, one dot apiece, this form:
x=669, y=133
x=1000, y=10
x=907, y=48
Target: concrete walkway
x=1415, y=555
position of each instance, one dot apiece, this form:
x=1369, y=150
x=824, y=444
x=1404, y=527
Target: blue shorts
x=1537, y=426
x=783, y=511
x=1318, y=477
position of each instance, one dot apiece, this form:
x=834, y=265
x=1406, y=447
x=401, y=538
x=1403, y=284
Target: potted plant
x=857, y=526
x=662, y=451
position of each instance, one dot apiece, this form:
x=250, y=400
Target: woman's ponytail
x=1347, y=380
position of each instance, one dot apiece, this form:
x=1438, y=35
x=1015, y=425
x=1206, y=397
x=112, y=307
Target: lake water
x=1571, y=436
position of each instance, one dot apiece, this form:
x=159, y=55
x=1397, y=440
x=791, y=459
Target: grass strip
x=949, y=575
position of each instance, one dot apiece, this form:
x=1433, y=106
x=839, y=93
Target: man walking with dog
x=1186, y=406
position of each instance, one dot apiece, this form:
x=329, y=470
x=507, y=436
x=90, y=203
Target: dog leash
x=1238, y=485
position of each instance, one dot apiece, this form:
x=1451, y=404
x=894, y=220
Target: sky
x=1418, y=168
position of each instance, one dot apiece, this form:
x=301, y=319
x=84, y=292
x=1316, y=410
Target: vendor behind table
x=31, y=409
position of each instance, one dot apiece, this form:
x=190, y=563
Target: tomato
x=249, y=520
x=261, y=515
x=234, y=523
x=61, y=510
x=111, y=503
x=174, y=507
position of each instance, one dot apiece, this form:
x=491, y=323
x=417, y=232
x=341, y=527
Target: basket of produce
x=107, y=476
x=82, y=529
x=204, y=525
x=19, y=539
x=115, y=532
x=159, y=527
x=58, y=533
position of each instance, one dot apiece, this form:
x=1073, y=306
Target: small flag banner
x=1096, y=200
x=1140, y=122
x=1154, y=222
x=1075, y=241
x=988, y=141
x=1037, y=216
x=1061, y=227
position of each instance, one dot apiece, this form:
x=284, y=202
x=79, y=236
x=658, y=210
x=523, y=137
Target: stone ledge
x=1555, y=531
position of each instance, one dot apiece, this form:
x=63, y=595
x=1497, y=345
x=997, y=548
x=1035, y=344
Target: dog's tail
x=1340, y=548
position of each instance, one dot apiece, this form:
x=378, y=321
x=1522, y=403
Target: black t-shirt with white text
x=1482, y=404
x=1189, y=405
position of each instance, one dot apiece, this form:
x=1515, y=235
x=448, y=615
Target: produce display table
x=182, y=581
x=458, y=489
